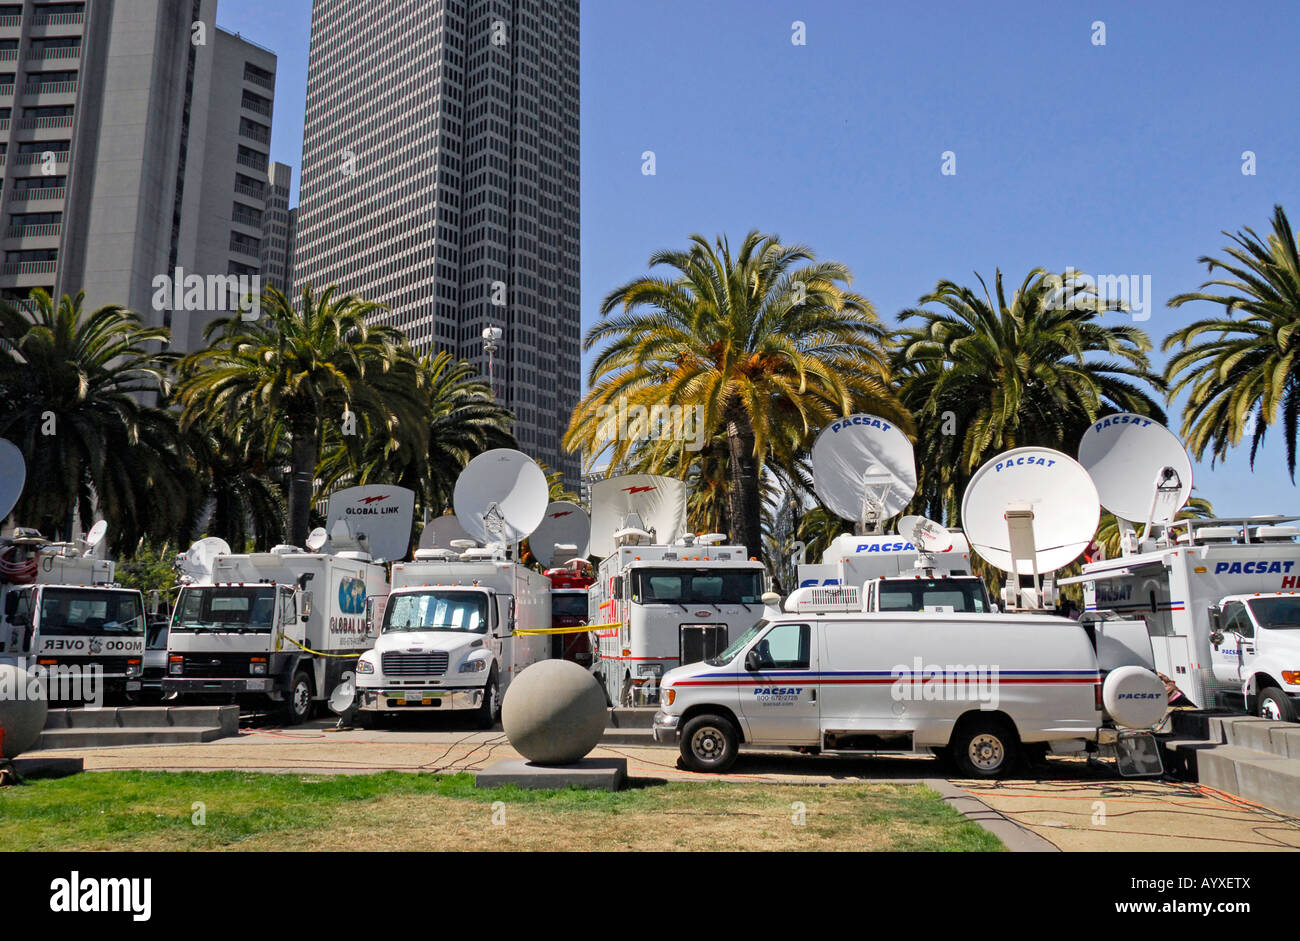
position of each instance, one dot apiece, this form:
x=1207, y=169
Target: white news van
x=1218, y=605
x=62, y=611
x=280, y=627
x=895, y=575
x=981, y=689
x=663, y=605
x=448, y=639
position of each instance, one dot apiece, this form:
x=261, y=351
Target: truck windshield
x=697, y=586
x=1277, y=614
x=736, y=646
x=224, y=608
x=569, y=605
x=920, y=594
x=90, y=612
x=438, y=611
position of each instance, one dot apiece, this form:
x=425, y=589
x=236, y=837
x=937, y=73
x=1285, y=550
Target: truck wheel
x=984, y=748
x=368, y=720
x=709, y=744
x=1276, y=705
x=491, y=708
x=298, y=703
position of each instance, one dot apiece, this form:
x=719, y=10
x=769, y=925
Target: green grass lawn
x=141, y=810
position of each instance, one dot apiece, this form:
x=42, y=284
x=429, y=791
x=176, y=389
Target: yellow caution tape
x=318, y=653
x=580, y=629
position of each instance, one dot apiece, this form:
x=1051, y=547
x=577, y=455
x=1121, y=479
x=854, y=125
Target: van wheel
x=298, y=702
x=984, y=748
x=369, y=721
x=1276, y=705
x=709, y=744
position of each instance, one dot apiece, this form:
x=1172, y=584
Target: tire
x=709, y=744
x=298, y=704
x=984, y=748
x=1276, y=705
x=368, y=721
x=490, y=710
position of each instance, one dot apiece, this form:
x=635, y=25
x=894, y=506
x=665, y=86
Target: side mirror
x=752, y=662
x=370, y=614
x=11, y=604
x=1215, y=618
x=618, y=587
x=1216, y=638
x=304, y=606
x=155, y=601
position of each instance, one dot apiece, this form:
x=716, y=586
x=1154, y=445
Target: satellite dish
x=202, y=556
x=1055, y=488
x=501, y=496
x=925, y=534
x=13, y=474
x=96, y=534
x=864, y=469
x=317, y=538
x=1141, y=469
x=564, y=525
x=378, y=517
x=442, y=532
x=341, y=699
x=657, y=502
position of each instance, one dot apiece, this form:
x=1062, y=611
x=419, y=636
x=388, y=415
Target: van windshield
x=1276, y=614
x=737, y=646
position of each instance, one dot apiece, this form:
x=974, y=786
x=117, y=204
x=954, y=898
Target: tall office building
x=440, y=178
x=135, y=141
x=277, y=236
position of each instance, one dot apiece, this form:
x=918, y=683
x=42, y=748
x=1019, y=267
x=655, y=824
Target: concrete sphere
x=554, y=712
x=22, y=715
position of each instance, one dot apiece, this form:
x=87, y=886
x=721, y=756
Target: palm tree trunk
x=743, y=494
x=302, y=480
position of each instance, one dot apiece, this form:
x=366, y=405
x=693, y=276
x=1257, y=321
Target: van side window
x=785, y=647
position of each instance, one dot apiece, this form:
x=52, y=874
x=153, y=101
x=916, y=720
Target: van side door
x=780, y=696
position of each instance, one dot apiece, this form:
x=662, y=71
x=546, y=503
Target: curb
x=1013, y=836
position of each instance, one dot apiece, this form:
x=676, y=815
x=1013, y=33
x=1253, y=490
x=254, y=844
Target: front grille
x=216, y=665
x=394, y=663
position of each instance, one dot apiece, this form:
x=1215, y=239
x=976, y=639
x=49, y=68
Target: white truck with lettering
x=62, y=611
x=450, y=637
x=979, y=689
x=281, y=628
x=1218, y=602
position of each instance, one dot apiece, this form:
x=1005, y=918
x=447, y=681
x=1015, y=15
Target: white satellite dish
x=378, y=518
x=925, y=534
x=1142, y=471
x=658, y=504
x=864, y=470
x=96, y=534
x=13, y=474
x=1036, y=491
x=564, y=525
x=317, y=538
x=202, y=556
x=442, y=532
x=501, y=496
x=341, y=699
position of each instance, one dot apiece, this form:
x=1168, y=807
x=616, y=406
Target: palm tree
x=457, y=419
x=237, y=485
x=768, y=348
x=986, y=374
x=1197, y=508
x=1240, y=371
x=295, y=369
x=78, y=388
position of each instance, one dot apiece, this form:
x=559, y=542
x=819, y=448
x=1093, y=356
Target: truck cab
x=1255, y=642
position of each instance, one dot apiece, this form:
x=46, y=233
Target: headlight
x=667, y=696
x=176, y=665
x=474, y=665
x=1291, y=677
x=364, y=667
x=258, y=668
x=133, y=668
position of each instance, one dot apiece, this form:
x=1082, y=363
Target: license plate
x=414, y=697
x=132, y=685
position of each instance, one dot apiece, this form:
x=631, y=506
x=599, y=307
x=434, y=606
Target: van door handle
x=814, y=695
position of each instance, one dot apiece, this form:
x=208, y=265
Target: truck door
x=781, y=699
x=1238, y=643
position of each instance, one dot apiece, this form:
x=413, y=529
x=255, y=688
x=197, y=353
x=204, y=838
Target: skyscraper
x=134, y=139
x=277, y=237
x=440, y=178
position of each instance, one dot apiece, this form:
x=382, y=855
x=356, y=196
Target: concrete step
x=1263, y=735
x=636, y=717
x=148, y=717
x=1264, y=777
x=138, y=735
x=643, y=737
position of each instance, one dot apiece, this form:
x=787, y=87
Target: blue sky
x=1117, y=159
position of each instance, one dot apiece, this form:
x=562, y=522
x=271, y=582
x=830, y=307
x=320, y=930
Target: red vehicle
x=569, y=587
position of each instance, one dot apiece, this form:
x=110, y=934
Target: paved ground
x=1072, y=807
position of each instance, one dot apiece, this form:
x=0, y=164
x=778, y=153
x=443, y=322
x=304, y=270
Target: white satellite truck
x=662, y=596
x=864, y=470
x=283, y=628
x=825, y=675
x=1210, y=603
x=455, y=631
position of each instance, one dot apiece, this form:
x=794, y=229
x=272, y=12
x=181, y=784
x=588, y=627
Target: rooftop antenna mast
x=491, y=337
